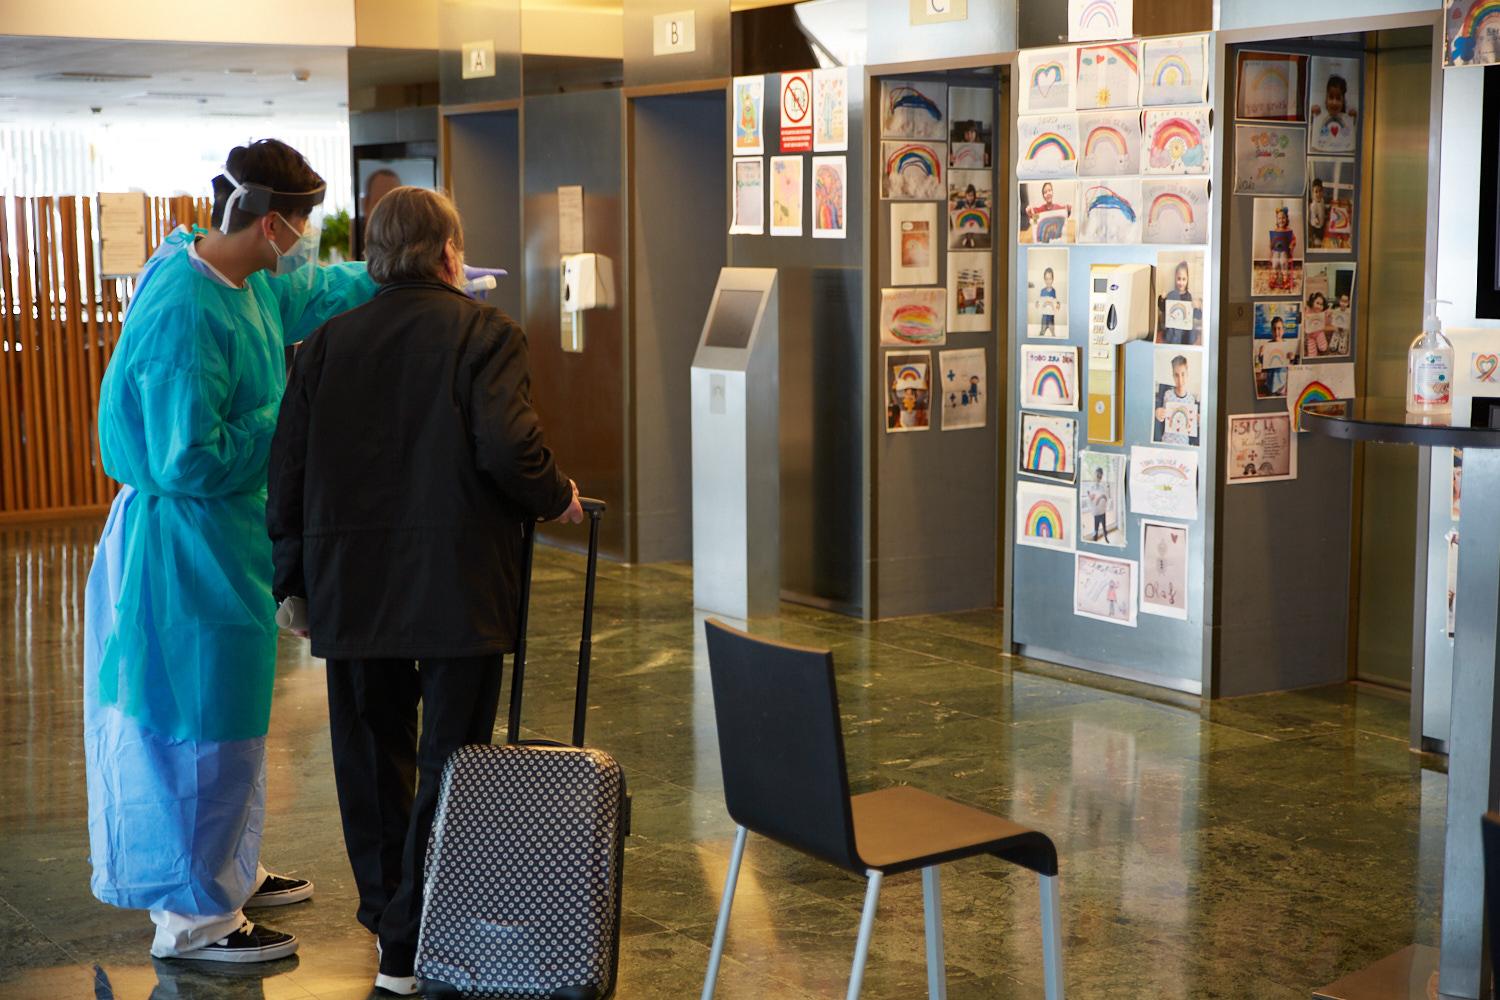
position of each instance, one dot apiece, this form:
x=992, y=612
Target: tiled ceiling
x=65, y=79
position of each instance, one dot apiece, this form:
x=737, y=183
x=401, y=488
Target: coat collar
x=419, y=285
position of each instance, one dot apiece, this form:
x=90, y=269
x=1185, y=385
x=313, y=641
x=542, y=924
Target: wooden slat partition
x=59, y=323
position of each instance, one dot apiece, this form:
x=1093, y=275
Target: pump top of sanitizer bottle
x=1429, y=366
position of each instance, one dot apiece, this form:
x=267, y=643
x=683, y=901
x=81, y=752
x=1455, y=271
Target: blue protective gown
x=180, y=644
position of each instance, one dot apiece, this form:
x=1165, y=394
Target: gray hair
x=407, y=233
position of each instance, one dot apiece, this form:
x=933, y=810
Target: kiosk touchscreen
x=736, y=448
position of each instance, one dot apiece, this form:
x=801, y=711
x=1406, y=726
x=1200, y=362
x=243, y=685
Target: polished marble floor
x=1253, y=848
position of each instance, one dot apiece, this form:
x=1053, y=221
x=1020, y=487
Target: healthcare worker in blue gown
x=180, y=646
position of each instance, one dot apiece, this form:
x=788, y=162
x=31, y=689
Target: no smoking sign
x=796, y=112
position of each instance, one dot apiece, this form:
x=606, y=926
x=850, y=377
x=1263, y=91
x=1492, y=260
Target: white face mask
x=302, y=252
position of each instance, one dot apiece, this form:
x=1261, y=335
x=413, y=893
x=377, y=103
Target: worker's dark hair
x=407, y=234
x=269, y=162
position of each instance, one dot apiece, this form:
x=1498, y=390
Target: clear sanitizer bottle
x=1429, y=368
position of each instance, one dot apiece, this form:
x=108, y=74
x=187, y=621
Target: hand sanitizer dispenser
x=1127, y=302
x=588, y=282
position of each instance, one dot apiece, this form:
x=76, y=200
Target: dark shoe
x=250, y=943
x=278, y=890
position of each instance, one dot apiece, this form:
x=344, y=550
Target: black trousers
x=387, y=779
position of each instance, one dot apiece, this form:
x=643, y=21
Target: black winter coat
x=406, y=460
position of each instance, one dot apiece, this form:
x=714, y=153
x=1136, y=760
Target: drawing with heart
x=1485, y=366
x=1046, y=77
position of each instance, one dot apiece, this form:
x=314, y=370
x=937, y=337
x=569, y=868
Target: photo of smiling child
x=1179, y=306
x=1333, y=99
x=1276, y=258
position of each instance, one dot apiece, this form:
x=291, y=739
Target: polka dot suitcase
x=522, y=895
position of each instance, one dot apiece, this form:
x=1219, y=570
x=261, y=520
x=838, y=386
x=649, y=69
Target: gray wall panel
x=463, y=21
x=577, y=139
x=678, y=173
x=709, y=59
x=484, y=171
x=823, y=338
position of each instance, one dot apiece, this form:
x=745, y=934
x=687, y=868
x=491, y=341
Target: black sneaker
x=248, y=944
x=278, y=890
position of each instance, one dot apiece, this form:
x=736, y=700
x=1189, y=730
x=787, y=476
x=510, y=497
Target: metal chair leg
x=1052, y=961
x=730, y=880
x=932, y=912
x=866, y=925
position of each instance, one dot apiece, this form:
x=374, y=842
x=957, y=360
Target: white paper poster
x=786, y=196
x=1044, y=516
x=749, y=109
x=796, y=133
x=831, y=110
x=1270, y=159
x=1046, y=80
x=1097, y=20
x=1176, y=210
x=914, y=109
x=1104, y=588
x=969, y=292
x=1174, y=70
x=961, y=380
x=1262, y=448
x=1107, y=76
x=913, y=171
x=749, y=196
x=1111, y=143
x=1048, y=447
x=1046, y=146
x=1111, y=211
x=1175, y=140
x=1333, y=103
x=1049, y=377
x=913, y=317
x=908, y=392
x=1164, y=482
x=1101, y=498
x=971, y=127
x=1164, y=560
x=1307, y=384
x=914, y=243
x=830, y=202
x=1471, y=36
x=1047, y=293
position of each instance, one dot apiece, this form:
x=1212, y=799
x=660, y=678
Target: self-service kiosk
x=736, y=448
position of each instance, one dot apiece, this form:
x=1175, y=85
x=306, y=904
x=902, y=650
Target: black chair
x=1490, y=832
x=782, y=751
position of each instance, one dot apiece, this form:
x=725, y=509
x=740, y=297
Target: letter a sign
x=479, y=59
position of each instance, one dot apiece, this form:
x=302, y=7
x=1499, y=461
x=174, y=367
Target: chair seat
x=901, y=829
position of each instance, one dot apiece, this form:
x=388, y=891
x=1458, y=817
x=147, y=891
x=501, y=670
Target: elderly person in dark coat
x=406, y=460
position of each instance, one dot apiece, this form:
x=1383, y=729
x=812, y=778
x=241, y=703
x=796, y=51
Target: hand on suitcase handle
x=574, y=513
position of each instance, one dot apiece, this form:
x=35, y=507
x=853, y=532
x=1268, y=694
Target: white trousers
x=177, y=933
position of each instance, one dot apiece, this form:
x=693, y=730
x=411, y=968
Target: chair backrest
x=780, y=743
x=1490, y=830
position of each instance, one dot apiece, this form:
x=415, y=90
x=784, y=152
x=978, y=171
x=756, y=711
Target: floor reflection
x=1250, y=848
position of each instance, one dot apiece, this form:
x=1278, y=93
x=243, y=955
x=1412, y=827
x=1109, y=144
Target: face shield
x=305, y=250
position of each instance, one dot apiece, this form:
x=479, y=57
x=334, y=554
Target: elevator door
x=1391, y=290
x=678, y=199
x=483, y=174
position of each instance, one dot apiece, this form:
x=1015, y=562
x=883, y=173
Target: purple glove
x=480, y=280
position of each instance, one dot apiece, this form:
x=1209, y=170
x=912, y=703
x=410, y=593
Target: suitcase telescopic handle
x=594, y=510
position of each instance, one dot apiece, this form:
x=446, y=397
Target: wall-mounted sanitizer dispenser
x=588, y=282
x=1120, y=310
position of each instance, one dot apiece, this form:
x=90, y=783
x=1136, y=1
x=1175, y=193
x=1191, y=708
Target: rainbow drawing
x=1179, y=129
x=1050, y=377
x=828, y=199
x=1106, y=135
x=1172, y=71
x=1049, y=228
x=910, y=98
x=1100, y=13
x=967, y=154
x=1051, y=140
x=1046, y=76
x=1155, y=469
x=1170, y=202
x=1045, y=452
x=910, y=377
x=1044, y=520
x=1126, y=54
x=976, y=219
x=1274, y=76
x=915, y=323
x=1102, y=198
x=1467, y=36
x=1313, y=392
x=916, y=157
